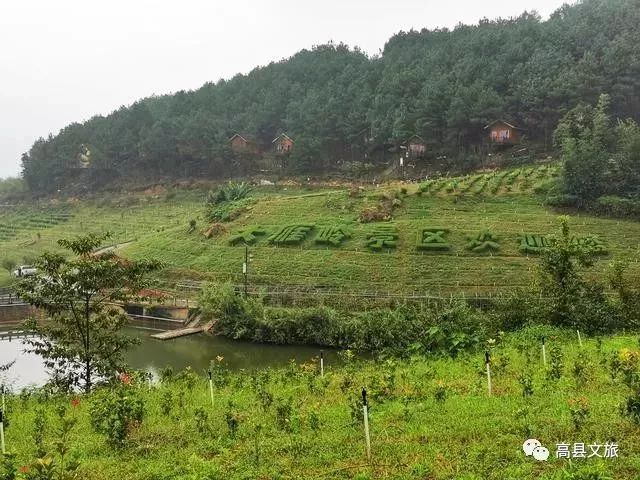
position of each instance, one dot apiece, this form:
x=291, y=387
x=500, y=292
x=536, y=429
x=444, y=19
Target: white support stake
x=544, y=353
x=579, y=338
x=211, y=386
x=365, y=412
x=321, y=363
x=4, y=451
x=487, y=362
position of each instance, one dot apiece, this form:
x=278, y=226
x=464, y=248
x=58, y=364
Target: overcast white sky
x=66, y=60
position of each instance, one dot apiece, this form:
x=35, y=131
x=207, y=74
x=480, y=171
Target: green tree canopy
x=444, y=85
x=81, y=341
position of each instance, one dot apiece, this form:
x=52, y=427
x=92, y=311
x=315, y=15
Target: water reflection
x=196, y=351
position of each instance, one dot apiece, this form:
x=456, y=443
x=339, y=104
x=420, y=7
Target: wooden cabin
x=504, y=133
x=416, y=147
x=282, y=144
x=244, y=143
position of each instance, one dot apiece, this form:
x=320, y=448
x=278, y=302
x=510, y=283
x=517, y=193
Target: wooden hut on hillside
x=415, y=147
x=282, y=144
x=504, y=133
x=244, y=143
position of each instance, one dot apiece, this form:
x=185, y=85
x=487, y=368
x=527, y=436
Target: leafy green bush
x=563, y=200
x=618, y=206
x=626, y=364
x=230, y=192
x=228, y=202
x=227, y=211
x=425, y=186
x=115, y=411
x=451, y=327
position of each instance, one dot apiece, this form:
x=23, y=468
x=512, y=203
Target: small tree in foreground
x=572, y=301
x=82, y=340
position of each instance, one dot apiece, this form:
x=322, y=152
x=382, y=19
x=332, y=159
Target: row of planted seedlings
x=494, y=181
x=307, y=404
x=29, y=222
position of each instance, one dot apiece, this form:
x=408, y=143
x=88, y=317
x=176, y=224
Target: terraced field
x=500, y=202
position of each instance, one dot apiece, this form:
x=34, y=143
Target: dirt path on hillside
x=112, y=248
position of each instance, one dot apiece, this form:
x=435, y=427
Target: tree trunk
x=87, y=376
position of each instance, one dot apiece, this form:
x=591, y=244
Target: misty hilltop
x=337, y=105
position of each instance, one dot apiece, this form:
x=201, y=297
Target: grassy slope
x=492, y=201
x=469, y=435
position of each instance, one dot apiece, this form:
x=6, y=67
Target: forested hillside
x=340, y=105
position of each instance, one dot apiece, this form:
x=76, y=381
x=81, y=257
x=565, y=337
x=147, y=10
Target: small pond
x=152, y=355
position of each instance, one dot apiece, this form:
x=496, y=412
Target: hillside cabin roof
x=244, y=143
x=504, y=133
x=415, y=146
x=283, y=143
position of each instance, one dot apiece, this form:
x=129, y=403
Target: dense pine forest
x=341, y=106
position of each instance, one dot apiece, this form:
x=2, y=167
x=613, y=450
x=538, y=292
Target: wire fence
x=184, y=294
x=305, y=295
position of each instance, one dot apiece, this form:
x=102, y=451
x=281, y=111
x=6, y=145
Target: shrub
x=201, y=418
x=526, y=381
x=227, y=211
x=548, y=186
x=284, y=414
x=398, y=331
x=382, y=236
x=425, y=186
x=230, y=192
x=247, y=235
x=432, y=239
x=483, y=242
x=440, y=392
x=232, y=419
x=518, y=309
x=618, y=206
x=8, y=467
x=592, y=243
x=563, y=200
x=291, y=234
x=115, y=412
x=556, y=363
x=627, y=364
x=534, y=244
x=580, y=411
x=332, y=235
